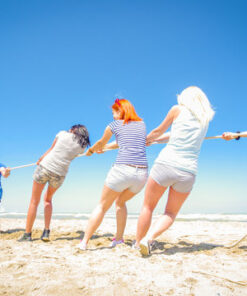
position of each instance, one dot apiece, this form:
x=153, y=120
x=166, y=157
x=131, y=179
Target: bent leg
x=174, y=204
x=48, y=205
x=153, y=193
x=107, y=199
x=121, y=212
x=32, y=210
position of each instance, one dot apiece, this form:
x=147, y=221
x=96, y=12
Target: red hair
x=126, y=109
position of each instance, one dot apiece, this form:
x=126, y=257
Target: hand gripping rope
x=236, y=135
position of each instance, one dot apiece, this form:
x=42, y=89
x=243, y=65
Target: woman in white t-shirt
x=52, y=169
x=176, y=166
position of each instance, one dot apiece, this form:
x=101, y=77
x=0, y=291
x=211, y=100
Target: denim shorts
x=164, y=175
x=42, y=176
x=122, y=177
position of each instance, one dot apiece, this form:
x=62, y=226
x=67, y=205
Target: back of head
x=126, y=109
x=195, y=100
x=81, y=135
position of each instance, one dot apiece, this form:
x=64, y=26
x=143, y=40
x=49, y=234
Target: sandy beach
x=191, y=258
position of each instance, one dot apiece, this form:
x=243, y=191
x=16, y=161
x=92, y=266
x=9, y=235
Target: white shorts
x=121, y=177
x=164, y=175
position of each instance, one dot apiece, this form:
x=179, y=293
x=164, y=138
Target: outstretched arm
x=100, y=144
x=158, y=131
x=111, y=146
x=163, y=138
x=52, y=146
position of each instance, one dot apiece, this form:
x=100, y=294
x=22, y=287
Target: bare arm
x=112, y=145
x=100, y=144
x=158, y=131
x=163, y=138
x=52, y=146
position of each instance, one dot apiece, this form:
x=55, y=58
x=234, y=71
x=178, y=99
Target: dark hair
x=81, y=135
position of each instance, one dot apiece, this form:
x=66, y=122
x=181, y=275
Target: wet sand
x=191, y=258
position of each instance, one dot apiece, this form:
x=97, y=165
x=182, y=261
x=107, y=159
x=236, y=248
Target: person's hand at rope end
x=149, y=143
x=227, y=136
x=38, y=162
x=5, y=172
x=100, y=151
x=89, y=152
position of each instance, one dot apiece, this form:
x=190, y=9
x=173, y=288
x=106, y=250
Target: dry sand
x=192, y=258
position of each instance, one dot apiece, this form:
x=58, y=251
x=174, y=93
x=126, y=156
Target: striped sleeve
x=113, y=126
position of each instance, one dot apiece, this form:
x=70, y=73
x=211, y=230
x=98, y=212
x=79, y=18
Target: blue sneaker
x=45, y=235
x=27, y=237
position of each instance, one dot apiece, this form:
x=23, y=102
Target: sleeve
x=59, y=134
x=113, y=126
x=2, y=166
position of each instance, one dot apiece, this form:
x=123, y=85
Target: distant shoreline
x=181, y=217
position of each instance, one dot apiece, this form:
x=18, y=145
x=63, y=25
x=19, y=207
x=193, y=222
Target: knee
x=120, y=204
x=102, y=208
x=148, y=208
x=35, y=202
x=47, y=201
x=171, y=215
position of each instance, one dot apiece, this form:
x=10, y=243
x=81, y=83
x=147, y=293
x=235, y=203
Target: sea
x=180, y=217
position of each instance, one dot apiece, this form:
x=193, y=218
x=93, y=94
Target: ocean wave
x=134, y=216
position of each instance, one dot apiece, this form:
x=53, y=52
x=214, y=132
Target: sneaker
x=27, y=237
x=145, y=248
x=45, y=235
x=82, y=246
x=153, y=245
x=116, y=242
x=134, y=247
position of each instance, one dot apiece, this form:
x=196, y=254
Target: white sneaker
x=82, y=246
x=145, y=247
x=134, y=247
x=116, y=242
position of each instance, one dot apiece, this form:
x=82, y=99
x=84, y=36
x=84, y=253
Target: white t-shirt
x=64, y=151
x=183, y=148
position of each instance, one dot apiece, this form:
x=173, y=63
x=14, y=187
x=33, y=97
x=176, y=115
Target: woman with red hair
x=129, y=173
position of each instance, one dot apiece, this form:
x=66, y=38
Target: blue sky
x=64, y=62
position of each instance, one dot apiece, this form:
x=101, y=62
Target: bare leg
x=32, y=210
x=48, y=205
x=121, y=212
x=153, y=193
x=174, y=203
x=107, y=199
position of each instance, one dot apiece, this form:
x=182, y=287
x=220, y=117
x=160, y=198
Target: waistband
x=137, y=166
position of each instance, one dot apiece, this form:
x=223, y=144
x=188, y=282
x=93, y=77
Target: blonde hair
x=194, y=99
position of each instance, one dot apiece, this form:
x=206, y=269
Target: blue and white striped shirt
x=131, y=139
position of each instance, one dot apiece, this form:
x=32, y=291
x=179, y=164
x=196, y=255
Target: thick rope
x=241, y=283
x=235, y=135
x=237, y=243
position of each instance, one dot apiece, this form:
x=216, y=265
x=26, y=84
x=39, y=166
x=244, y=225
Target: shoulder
x=139, y=123
x=61, y=133
x=176, y=108
x=175, y=111
x=115, y=123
